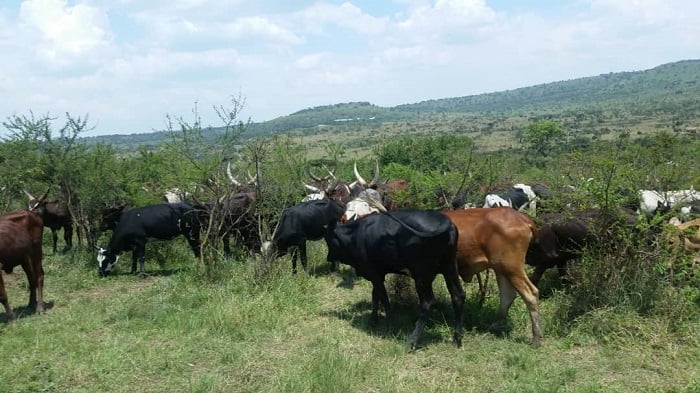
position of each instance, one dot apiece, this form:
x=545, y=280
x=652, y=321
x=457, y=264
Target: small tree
x=541, y=139
x=42, y=159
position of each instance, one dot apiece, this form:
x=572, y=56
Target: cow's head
x=105, y=261
x=367, y=202
x=36, y=205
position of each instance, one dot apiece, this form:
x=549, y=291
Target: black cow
x=420, y=243
x=56, y=215
x=563, y=236
x=136, y=226
x=302, y=222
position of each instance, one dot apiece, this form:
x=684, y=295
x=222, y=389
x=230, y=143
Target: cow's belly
x=468, y=267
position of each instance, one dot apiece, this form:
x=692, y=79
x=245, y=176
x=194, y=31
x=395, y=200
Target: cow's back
x=163, y=221
x=307, y=220
x=491, y=237
x=392, y=241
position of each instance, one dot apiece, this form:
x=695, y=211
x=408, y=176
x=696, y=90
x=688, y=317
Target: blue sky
x=128, y=64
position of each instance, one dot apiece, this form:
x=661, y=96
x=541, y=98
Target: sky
x=129, y=64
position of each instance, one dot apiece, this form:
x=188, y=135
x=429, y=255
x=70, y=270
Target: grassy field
x=251, y=328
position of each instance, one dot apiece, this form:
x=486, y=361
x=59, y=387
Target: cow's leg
x=54, y=236
x=193, y=240
x=528, y=291
x=506, y=293
x=293, y=254
x=68, y=237
x=426, y=299
x=379, y=295
x=483, y=285
x=35, y=277
x=227, y=244
x=454, y=286
x=302, y=255
x=39, y=289
x=537, y=274
x=563, y=271
x=5, y=302
x=139, y=254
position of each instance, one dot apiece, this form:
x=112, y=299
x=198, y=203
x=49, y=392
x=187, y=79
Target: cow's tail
x=533, y=232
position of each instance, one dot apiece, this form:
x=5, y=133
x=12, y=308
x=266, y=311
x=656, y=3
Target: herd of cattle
x=366, y=227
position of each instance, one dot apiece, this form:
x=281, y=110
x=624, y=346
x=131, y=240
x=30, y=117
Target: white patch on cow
x=315, y=197
x=527, y=190
x=493, y=200
x=368, y=202
x=649, y=201
x=102, y=256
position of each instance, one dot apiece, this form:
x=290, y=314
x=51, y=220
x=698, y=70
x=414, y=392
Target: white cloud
x=262, y=28
x=66, y=30
x=127, y=63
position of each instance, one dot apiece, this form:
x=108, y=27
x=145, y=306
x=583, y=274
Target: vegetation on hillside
x=628, y=322
x=663, y=98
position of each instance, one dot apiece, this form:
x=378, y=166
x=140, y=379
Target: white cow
x=652, y=200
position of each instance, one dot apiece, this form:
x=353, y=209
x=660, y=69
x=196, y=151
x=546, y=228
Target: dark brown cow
x=233, y=215
x=20, y=245
x=498, y=239
x=56, y=215
x=328, y=187
x=563, y=236
x=110, y=216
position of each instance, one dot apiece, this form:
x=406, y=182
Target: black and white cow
x=420, y=243
x=137, y=226
x=302, y=222
x=519, y=197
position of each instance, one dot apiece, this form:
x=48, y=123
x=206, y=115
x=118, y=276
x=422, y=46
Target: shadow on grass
x=405, y=315
x=154, y=273
x=25, y=311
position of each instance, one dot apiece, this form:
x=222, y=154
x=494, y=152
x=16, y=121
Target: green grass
x=180, y=330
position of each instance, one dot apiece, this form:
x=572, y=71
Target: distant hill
x=667, y=96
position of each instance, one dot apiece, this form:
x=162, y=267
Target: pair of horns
x=362, y=181
x=236, y=183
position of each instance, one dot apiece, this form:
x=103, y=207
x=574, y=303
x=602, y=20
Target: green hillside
x=664, y=97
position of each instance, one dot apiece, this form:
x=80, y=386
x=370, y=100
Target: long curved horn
x=30, y=196
x=41, y=199
x=314, y=176
x=252, y=180
x=233, y=181
x=359, y=178
x=331, y=185
x=311, y=188
x=376, y=175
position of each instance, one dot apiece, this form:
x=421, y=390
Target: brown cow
x=55, y=215
x=20, y=244
x=498, y=239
